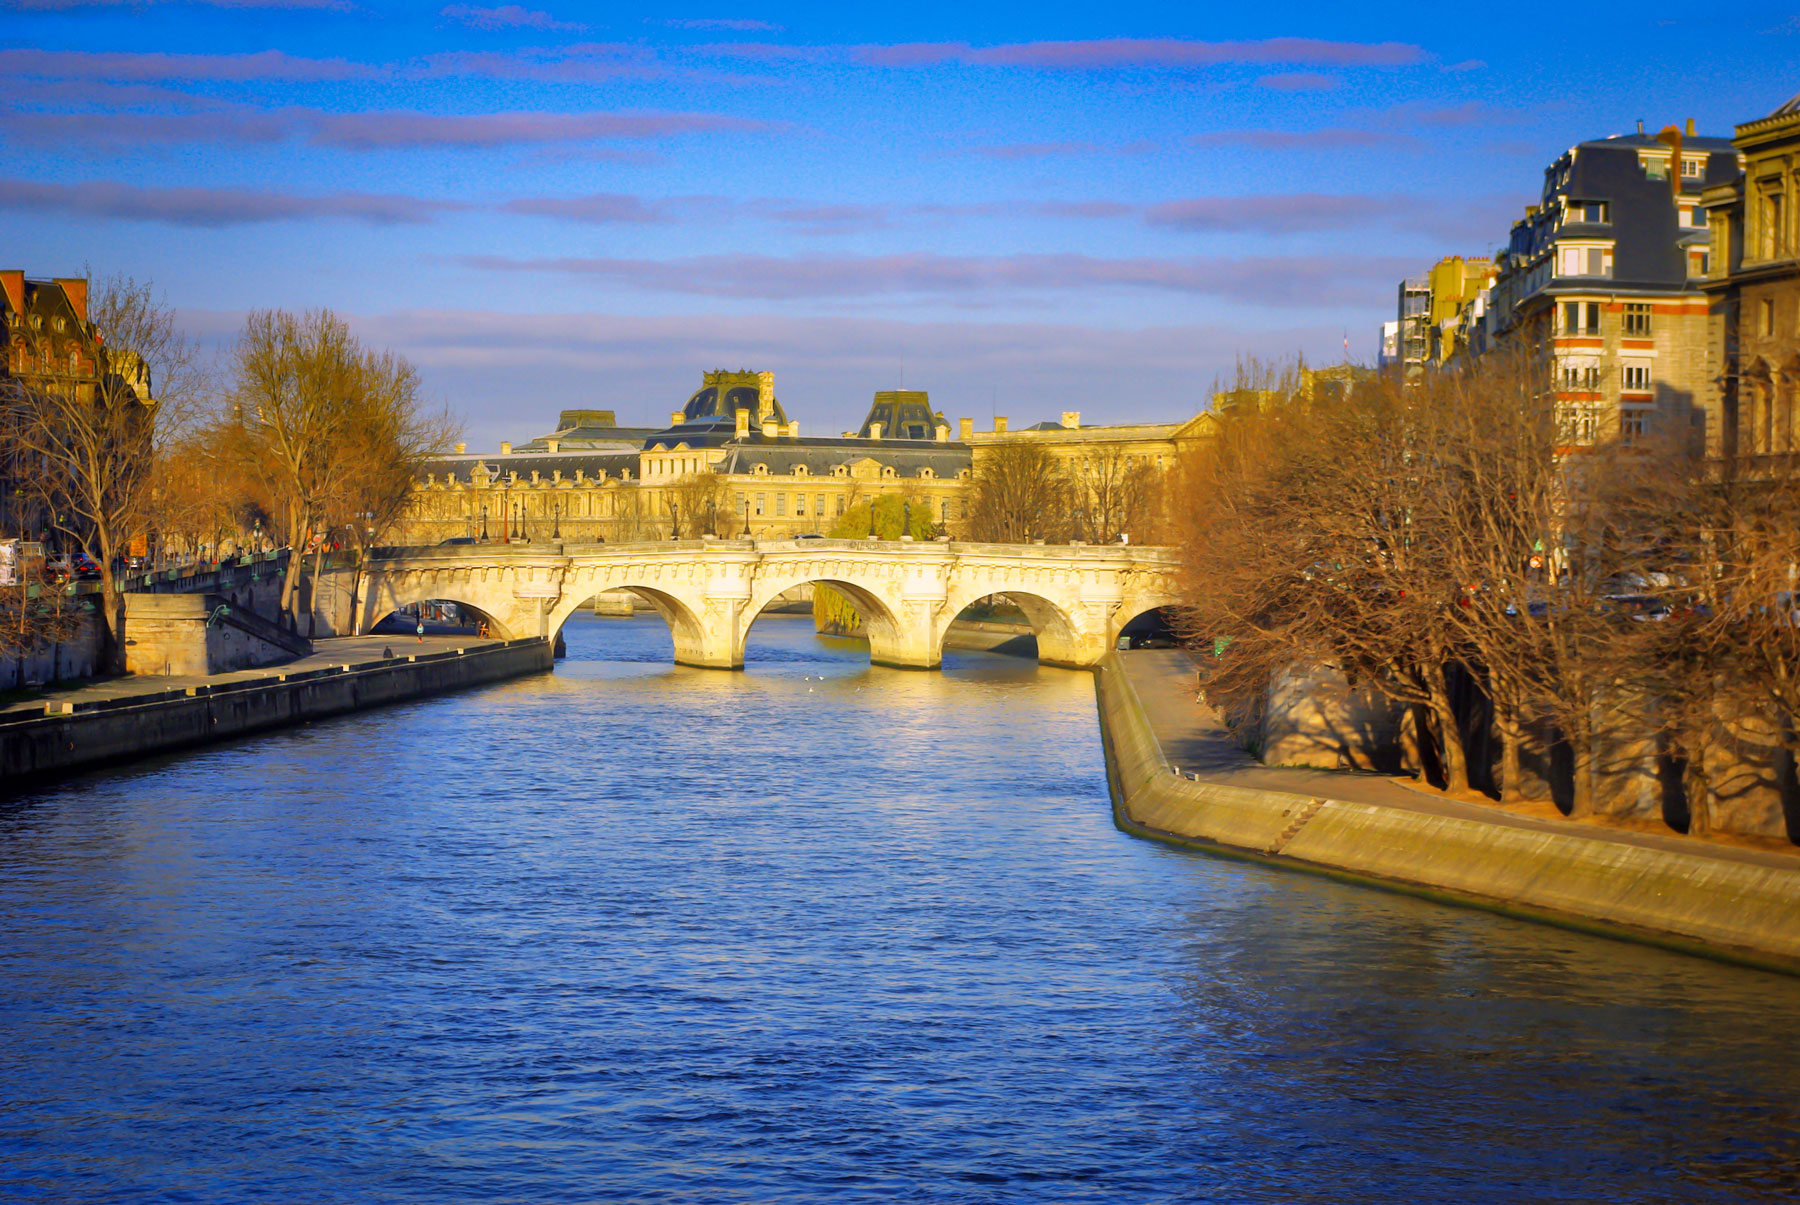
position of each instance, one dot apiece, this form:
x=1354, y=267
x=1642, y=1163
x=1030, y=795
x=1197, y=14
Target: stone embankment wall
x=107, y=732
x=55, y=661
x=1734, y=908
x=183, y=635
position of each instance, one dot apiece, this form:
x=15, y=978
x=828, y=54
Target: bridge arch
x=1058, y=633
x=384, y=594
x=688, y=628
x=879, y=609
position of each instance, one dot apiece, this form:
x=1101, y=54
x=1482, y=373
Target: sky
x=1024, y=209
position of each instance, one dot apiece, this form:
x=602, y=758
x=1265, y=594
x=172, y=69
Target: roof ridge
x=1788, y=110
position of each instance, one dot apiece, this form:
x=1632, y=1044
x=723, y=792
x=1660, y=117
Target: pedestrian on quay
x=421, y=629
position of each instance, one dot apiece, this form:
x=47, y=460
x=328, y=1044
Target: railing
x=920, y=548
x=206, y=577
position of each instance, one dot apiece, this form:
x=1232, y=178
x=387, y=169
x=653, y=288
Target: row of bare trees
x=1021, y=492
x=1412, y=535
x=299, y=430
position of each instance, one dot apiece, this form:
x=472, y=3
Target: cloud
x=730, y=24
x=1477, y=64
x=1327, y=139
x=1112, y=53
x=580, y=63
x=601, y=208
x=506, y=16
x=389, y=130
x=128, y=67
x=1298, y=81
x=1265, y=280
x=366, y=131
x=214, y=207
x=1279, y=214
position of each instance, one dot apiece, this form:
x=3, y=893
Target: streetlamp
x=556, y=520
x=746, y=516
x=906, y=518
x=484, y=534
x=712, y=519
x=506, y=514
x=674, y=521
x=519, y=519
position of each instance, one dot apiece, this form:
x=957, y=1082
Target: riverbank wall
x=1711, y=905
x=69, y=737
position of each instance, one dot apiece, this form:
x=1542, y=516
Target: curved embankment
x=1735, y=910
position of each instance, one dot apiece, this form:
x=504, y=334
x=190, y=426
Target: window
x=840, y=504
x=1774, y=234
x=1581, y=317
x=1585, y=261
x=1655, y=167
x=1579, y=377
x=1633, y=422
x=781, y=504
x=1692, y=167
x=818, y=504
x=1699, y=263
x=1766, y=317
x=1637, y=376
x=759, y=504
x=1590, y=211
x=1637, y=320
x=800, y=504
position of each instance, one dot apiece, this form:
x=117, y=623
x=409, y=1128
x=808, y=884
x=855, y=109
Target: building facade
x=733, y=463
x=1754, y=291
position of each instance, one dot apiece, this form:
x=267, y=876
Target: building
x=1753, y=288
x=732, y=462
x=48, y=346
x=1604, y=276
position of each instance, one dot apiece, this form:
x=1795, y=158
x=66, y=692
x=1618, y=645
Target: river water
x=810, y=932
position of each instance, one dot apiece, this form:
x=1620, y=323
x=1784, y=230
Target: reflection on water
x=814, y=931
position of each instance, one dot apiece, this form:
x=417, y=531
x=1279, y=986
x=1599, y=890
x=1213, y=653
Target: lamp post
x=506, y=515
x=484, y=534
x=519, y=520
x=556, y=520
x=712, y=517
x=674, y=521
x=906, y=518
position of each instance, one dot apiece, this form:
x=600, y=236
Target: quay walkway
x=1177, y=776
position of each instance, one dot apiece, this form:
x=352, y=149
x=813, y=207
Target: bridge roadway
x=710, y=591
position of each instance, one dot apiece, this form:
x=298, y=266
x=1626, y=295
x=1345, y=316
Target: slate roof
x=590, y=463
x=820, y=456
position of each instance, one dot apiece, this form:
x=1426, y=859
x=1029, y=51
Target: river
x=810, y=932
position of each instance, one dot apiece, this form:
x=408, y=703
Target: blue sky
x=1023, y=209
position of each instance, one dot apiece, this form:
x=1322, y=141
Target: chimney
x=743, y=423
x=552, y=445
x=965, y=429
x=77, y=293
x=506, y=447
x=461, y=448
x=770, y=428
x=1640, y=125
x=943, y=433
x=874, y=430
x=1071, y=420
x=1690, y=127
x=1000, y=425
x=675, y=417
x=13, y=284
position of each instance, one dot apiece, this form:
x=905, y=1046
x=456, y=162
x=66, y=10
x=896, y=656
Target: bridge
x=710, y=591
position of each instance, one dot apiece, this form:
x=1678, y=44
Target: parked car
x=459, y=540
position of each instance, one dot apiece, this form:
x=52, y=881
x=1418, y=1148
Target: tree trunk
x=1512, y=740
x=111, y=659
x=1580, y=739
x=312, y=593
x=1454, y=756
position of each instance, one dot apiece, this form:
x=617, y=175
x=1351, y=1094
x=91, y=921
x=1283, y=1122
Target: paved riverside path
x=337, y=650
x=1197, y=742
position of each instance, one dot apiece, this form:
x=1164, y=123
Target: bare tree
x=702, y=503
x=96, y=442
x=1018, y=495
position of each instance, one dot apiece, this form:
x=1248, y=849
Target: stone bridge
x=710, y=591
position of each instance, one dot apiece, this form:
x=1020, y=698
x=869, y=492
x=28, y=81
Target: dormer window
x=799, y=470
x=761, y=470
x=1596, y=213
x=926, y=473
x=1692, y=167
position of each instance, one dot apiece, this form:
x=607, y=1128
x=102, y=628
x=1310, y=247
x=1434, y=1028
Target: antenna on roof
x=1640, y=125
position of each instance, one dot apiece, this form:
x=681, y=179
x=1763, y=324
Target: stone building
x=731, y=462
x=1754, y=291
x=48, y=345
x=1604, y=275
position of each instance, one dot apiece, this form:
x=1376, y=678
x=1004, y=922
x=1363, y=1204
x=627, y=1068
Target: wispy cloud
x=1265, y=280
x=140, y=67
x=215, y=207
x=1110, y=53
x=366, y=131
x=1279, y=214
x=506, y=16
x=725, y=24
x=1298, y=81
